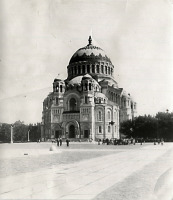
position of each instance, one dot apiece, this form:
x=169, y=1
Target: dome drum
x=104, y=69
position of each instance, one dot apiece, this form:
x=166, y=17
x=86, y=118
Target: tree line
x=148, y=127
x=20, y=132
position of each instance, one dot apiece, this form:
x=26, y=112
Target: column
x=11, y=134
x=28, y=135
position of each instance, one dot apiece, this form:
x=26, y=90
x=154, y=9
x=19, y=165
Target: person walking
x=162, y=141
x=154, y=141
x=134, y=141
x=107, y=141
x=67, y=141
x=57, y=142
x=60, y=141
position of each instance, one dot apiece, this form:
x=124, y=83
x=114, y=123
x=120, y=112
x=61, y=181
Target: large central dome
x=89, y=53
x=91, y=60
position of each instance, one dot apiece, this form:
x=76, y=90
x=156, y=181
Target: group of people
x=59, y=142
x=112, y=141
x=159, y=141
x=127, y=141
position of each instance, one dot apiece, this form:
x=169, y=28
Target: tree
x=165, y=125
x=127, y=128
x=145, y=127
x=5, y=135
x=140, y=127
x=34, y=132
x=20, y=131
x=160, y=126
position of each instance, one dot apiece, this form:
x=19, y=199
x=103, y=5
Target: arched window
x=102, y=69
x=97, y=89
x=75, y=70
x=100, y=129
x=73, y=104
x=108, y=70
x=79, y=70
x=105, y=69
x=83, y=69
x=112, y=96
x=132, y=106
x=111, y=71
x=109, y=115
x=93, y=68
x=99, y=116
x=109, y=129
x=60, y=88
x=86, y=86
x=98, y=69
x=89, y=86
x=88, y=69
x=86, y=99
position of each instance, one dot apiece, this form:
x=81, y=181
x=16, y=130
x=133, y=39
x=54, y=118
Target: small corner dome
x=75, y=81
x=101, y=95
x=87, y=76
x=57, y=79
x=127, y=95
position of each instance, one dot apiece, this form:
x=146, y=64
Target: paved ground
x=85, y=179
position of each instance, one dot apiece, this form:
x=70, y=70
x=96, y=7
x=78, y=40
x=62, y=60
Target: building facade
x=88, y=104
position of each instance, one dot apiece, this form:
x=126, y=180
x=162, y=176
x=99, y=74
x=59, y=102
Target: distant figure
x=107, y=141
x=159, y=141
x=60, y=141
x=162, y=141
x=67, y=141
x=57, y=142
x=141, y=141
x=103, y=142
x=99, y=140
x=134, y=141
x=155, y=141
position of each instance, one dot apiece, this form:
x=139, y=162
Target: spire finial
x=90, y=40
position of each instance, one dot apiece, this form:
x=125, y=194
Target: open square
x=83, y=171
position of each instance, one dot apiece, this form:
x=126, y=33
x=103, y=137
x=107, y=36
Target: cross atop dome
x=90, y=40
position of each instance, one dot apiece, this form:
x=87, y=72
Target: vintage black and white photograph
x=86, y=99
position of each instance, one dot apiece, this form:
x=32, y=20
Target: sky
x=38, y=38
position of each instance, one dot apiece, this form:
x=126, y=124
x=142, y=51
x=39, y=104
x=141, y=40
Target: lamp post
x=112, y=123
x=12, y=133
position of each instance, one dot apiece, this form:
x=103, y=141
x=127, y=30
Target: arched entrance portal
x=71, y=131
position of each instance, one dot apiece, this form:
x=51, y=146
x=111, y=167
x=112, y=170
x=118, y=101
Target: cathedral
x=88, y=105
